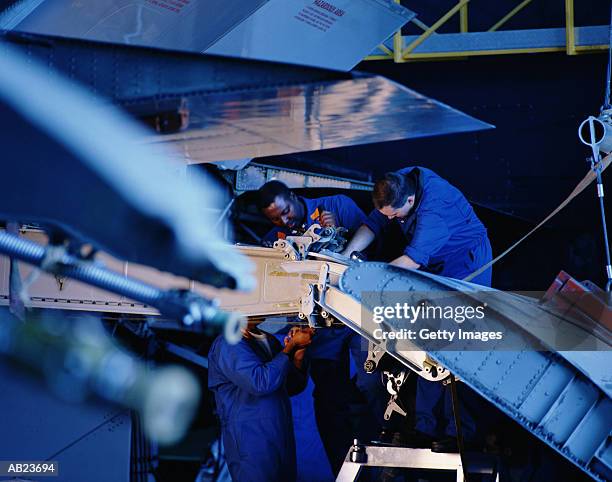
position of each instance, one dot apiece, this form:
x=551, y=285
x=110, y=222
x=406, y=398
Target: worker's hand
x=327, y=218
x=290, y=334
x=298, y=357
x=406, y=262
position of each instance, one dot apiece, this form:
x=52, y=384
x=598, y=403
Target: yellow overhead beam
x=570, y=32
x=386, y=50
x=433, y=28
x=421, y=25
x=510, y=14
x=398, y=44
x=463, y=19
x=400, y=54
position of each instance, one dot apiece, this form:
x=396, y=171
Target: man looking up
x=252, y=382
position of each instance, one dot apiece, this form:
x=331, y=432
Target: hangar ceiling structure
x=497, y=39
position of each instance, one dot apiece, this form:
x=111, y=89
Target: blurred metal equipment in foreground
x=87, y=176
x=190, y=309
x=334, y=35
x=554, y=361
x=72, y=166
x=79, y=359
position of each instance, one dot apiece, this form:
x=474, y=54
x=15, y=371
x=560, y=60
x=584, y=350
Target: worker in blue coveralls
x=252, y=381
x=329, y=359
x=443, y=235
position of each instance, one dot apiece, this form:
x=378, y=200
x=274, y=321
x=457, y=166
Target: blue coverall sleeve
x=350, y=216
x=271, y=236
x=245, y=369
x=376, y=221
x=297, y=379
x=431, y=234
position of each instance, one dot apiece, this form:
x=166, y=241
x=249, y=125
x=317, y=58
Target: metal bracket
x=360, y=456
x=315, y=296
x=288, y=249
x=311, y=233
x=435, y=369
x=394, y=384
x=375, y=353
x=297, y=248
x=307, y=307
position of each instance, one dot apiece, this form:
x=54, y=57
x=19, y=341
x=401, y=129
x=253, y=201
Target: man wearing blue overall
x=442, y=235
x=252, y=382
x=328, y=354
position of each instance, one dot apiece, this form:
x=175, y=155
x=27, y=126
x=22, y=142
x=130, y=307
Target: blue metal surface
x=149, y=23
x=72, y=153
x=334, y=34
x=319, y=115
x=250, y=109
x=119, y=72
x=506, y=40
x=83, y=438
x=552, y=395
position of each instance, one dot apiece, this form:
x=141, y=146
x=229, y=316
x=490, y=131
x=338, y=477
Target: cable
x=581, y=186
x=188, y=308
x=606, y=105
x=457, y=417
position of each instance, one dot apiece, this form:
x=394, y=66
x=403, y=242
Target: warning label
x=320, y=15
x=172, y=5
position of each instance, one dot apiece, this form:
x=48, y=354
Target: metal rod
x=187, y=308
x=463, y=19
x=600, y=195
x=225, y=211
x=385, y=50
x=595, y=166
x=570, y=33
x=37, y=255
x=398, y=44
x=251, y=233
x=457, y=419
x=510, y=14
x=422, y=25
x=434, y=27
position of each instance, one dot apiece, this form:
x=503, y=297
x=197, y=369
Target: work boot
x=448, y=444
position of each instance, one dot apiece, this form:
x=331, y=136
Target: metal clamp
x=394, y=384
x=357, y=454
x=434, y=368
x=375, y=353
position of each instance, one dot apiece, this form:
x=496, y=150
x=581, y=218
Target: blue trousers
x=434, y=410
x=433, y=400
x=333, y=390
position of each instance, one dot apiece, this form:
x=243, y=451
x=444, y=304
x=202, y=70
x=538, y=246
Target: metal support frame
x=510, y=14
x=570, y=30
x=406, y=48
x=255, y=174
x=463, y=19
x=462, y=4
x=406, y=458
